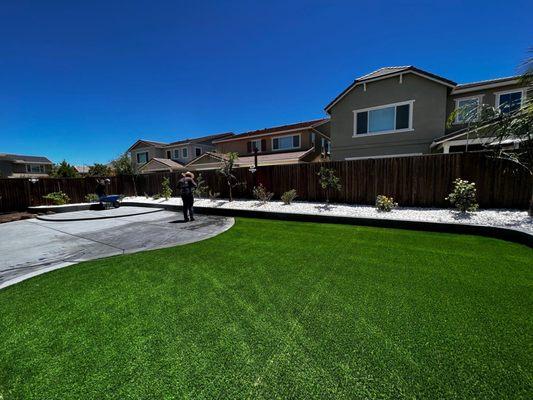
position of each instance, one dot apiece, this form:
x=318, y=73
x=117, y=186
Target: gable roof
x=276, y=129
x=387, y=72
x=489, y=83
x=148, y=142
x=164, y=163
x=17, y=158
x=203, y=138
x=287, y=157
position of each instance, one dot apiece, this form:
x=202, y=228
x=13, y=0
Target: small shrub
x=213, y=195
x=463, y=196
x=328, y=181
x=288, y=196
x=166, y=191
x=262, y=194
x=201, y=189
x=385, y=204
x=157, y=196
x=57, y=198
x=92, y=198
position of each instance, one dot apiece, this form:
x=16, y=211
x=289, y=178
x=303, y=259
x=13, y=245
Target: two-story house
x=398, y=111
x=287, y=144
x=20, y=166
x=170, y=156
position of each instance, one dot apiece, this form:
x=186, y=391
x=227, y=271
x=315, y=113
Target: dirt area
x=15, y=216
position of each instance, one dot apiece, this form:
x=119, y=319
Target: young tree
x=124, y=167
x=328, y=181
x=504, y=125
x=227, y=172
x=166, y=191
x=99, y=170
x=202, y=189
x=64, y=170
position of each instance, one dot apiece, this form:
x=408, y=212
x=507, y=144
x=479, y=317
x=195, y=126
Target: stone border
x=496, y=232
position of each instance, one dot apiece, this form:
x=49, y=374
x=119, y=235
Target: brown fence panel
x=422, y=181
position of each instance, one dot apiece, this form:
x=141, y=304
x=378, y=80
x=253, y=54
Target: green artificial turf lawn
x=276, y=309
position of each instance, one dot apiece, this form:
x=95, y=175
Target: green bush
x=166, y=191
x=463, y=196
x=384, y=203
x=92, y=198
x=262, y=194
x=288, y=196
x=57, y=198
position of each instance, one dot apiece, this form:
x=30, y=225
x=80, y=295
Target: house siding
x=241, y=146
x=488, y=97
x=152, y=152
x=429, y=117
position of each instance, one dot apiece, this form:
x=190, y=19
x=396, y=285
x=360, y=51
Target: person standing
x=186, y=186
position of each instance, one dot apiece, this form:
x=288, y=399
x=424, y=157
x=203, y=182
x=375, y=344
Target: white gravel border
x=490, y=217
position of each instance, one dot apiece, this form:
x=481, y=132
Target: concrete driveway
x=32, y=247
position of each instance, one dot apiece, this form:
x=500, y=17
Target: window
x=35, y=168
x=325, y=145
x=169, y=154
x=510, y=101
x=142, y=158
x=390, y=118
x=255, y=144
x=312, y=137
x=286, y=142
x=198, y=151
x=177, y=153
x=468, y=109
x=185, y=152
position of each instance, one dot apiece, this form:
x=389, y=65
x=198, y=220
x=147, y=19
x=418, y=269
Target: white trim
x=273, y=133
x=485, y=86
x=365, y=81
x=395, y=105
x=479, y=98
x=522, y=90
x=258, y=147
x=186, y=150
x=382, y=156
x=284, y=136
x=198, y=148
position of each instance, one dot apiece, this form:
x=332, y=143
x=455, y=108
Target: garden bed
x=506, y=218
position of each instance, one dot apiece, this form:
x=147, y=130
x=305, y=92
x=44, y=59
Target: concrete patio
x=33, y=247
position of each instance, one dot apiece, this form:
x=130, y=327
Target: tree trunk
x=230, y=193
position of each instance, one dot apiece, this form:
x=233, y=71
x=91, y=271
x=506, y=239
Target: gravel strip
x=492, y=217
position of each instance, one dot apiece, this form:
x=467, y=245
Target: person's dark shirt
x=100, y=190
x=186, y=186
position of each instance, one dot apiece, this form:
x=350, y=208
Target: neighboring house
x=288, y=144
x=161, y=165
x=20, y=166
x=398, y=111
x=182, y=152
x=82, y=169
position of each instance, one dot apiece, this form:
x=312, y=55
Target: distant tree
x=503, y=126
x=227, y=172
x=64, y=170
x=123, y=166
x=99, y=170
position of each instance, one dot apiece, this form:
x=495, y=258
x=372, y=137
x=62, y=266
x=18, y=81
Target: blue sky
x=82, y=81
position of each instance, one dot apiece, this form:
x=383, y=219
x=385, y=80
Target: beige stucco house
x=401, y=111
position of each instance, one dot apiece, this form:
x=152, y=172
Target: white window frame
x=40, y=168
x=176, y=153
x=138, y=154
x=184, y=152
x=197, y=148
x=479, y=98
x=523, y=91
x=257, y=144
x=395, y=105
x=284, y=136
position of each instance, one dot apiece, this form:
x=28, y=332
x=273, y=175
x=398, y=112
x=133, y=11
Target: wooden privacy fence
x=422, y=181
